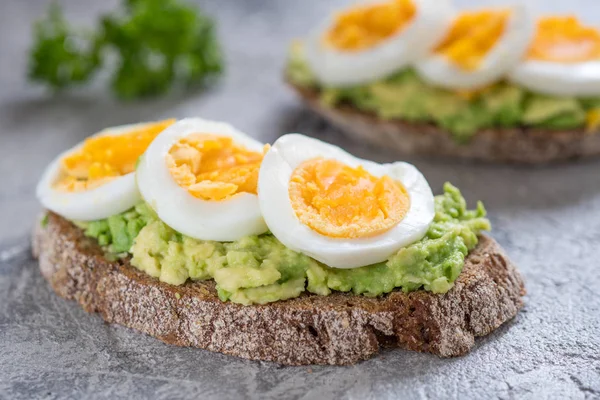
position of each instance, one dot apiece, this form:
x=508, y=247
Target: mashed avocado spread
x=405, y=96
x=259, y=269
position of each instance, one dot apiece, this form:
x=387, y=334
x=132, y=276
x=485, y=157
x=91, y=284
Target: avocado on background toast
x=520, y=145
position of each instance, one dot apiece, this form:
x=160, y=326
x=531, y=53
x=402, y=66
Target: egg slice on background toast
x=96, y=179
x=374, y=39
x=200, y=178
x=563, y=59
x=341, y=210
x=480, y=47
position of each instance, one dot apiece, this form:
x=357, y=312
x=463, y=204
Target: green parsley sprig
x=157, y=44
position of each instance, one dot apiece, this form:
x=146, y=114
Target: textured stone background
x=547, y=218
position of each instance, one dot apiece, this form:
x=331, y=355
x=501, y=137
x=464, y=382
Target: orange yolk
x=593, y=120
x=213, y=167
x=339, y=201
x=564, y=39
x=103, y=158
x=472, y=35
x=363, y=27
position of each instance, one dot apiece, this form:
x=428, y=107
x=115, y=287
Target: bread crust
x=520, y=145
x=337, y=329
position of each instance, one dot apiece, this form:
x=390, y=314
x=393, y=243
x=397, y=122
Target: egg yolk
x=363, y=27
x=339, y=201
x=566, y=40
x=213, y=167
x=103, y=158
x=472, y=35
x=593, y=120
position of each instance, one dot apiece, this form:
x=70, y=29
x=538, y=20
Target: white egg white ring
x=341, y=68
x=291, y=150
x=114, y=197
x=506, y=54
x=226, y=220
x=556, y=79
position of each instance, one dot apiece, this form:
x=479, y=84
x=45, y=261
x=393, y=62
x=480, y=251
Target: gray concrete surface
x=547, y=218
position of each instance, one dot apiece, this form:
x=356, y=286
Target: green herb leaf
x=61, y=57
x=157, y=43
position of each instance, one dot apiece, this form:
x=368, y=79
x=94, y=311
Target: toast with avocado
x=516, y=145
x=299, y=252
x=489, y=84
x=339, y=329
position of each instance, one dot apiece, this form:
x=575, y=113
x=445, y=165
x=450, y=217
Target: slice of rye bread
x=341, y=328
x=519, y=145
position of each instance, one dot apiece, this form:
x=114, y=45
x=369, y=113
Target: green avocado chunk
x=554, y=112
x=117, y=232
x=260, y=269
x=297, y=69
x=405, y=96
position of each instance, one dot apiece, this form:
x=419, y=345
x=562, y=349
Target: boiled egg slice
x=341, y=210
x=563, y=60
x=480, y=47
x=374, y=39
x=96, y=179
x=200, y=177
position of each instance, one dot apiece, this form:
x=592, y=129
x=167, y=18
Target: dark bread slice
x=519, y=145
x=337, y=329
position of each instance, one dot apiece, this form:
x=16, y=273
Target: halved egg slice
x=563, y=60
x=95, y=179
x=341, y=210
x=480, y=48
x=374, y=39
x=200, y=177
